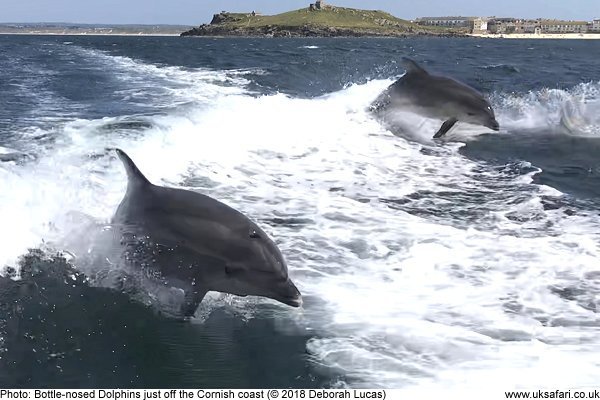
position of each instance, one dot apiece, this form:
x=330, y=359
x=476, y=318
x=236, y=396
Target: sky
x=196, y=12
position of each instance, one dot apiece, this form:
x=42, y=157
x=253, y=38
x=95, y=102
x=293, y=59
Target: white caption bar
x=188, y=394
x=295, y=394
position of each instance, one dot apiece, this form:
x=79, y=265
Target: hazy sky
x=195, y=12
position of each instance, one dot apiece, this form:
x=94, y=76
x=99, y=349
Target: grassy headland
x=329, y=21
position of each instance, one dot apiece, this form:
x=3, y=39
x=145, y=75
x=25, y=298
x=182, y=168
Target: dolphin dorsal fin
x=412, y=67
x=135, y=178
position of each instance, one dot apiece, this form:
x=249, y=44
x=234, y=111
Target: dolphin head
x=256, y=267
x=478, y=111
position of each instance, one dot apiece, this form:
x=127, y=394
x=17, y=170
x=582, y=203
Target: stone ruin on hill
x=318, y=5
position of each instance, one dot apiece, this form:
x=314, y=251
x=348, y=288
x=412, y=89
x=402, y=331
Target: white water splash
x=395, y=299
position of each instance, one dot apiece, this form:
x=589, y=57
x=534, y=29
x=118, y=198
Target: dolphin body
x=198, y=244
x=438, y=97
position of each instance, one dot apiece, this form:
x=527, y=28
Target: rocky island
x=317, y=20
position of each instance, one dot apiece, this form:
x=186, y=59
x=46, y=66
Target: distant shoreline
x=513, y=36
x=561, y=36
x=547, y=36
x=85, y=34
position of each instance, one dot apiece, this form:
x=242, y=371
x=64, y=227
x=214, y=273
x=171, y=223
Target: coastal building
x=480, y=25
x=558, y=26
x=508, y=25
x=527, y=26
x=501, y=25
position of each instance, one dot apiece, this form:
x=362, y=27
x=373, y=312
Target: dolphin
x=198, y=244
x=438, y=97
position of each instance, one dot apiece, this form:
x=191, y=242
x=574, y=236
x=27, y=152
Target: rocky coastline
x=218, y=30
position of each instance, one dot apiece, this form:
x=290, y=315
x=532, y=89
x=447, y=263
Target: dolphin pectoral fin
x=193, y=298
x=446, y=126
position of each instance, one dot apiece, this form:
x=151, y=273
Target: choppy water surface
x=422, y=265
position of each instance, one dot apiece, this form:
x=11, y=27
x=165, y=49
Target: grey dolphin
x=198, y=244
x=438, y=97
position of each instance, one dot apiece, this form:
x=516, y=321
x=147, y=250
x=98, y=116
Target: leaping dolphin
x=198, y=244
x=438, y=97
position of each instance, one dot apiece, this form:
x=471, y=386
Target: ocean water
x=464, y=263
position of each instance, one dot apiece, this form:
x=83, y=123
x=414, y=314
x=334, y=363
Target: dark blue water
x=64, y=99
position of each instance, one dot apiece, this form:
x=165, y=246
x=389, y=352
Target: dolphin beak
x=291, y=295
x=494, y=125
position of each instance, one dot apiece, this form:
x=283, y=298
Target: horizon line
x=93, y=23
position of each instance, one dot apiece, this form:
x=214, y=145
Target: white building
x=480, y=25
x=557, y=26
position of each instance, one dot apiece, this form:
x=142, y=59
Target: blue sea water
x=422, y=264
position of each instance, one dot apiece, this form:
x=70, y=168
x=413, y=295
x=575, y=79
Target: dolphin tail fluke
x=134, y=175
x=412, y=67
x=446, y=126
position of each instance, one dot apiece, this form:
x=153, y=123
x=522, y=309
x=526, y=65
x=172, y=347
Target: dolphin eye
x=253, y=234
x=471, y=114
